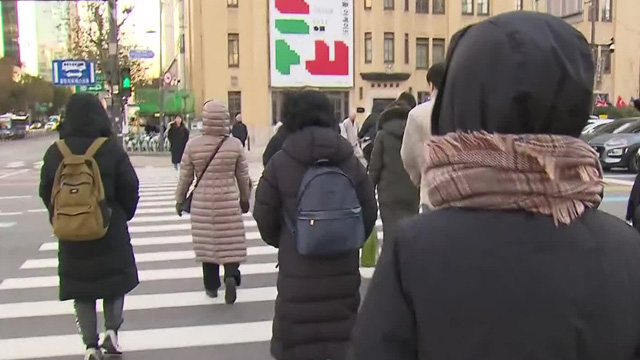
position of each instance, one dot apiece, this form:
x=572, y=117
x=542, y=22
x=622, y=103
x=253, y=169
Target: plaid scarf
x=553, y=175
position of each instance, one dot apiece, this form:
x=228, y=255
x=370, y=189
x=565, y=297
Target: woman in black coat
x=318, y=298
x=178, y=135
x=398, y=196
x=104, y=268
x=515, y=262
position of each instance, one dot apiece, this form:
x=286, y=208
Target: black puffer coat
x=178, y=138
x=317, y=298
x=103, y=268
x=275, y=145
x=482, y=284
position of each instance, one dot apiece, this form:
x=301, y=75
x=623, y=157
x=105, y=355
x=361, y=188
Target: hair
x=85, y=117
x=636, y=104
x=435, y=75
x=307, y=108
x=408, y=99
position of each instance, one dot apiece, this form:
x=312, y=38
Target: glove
x=179, y=209
x=244, y=205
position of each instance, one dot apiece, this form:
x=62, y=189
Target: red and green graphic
x=312, y=42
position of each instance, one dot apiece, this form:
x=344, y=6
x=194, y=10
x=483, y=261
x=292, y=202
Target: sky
x=145, y=17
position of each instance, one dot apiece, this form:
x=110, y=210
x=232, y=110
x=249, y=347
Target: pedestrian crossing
x=168, y=315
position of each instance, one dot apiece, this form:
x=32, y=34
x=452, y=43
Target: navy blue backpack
x=329, y=218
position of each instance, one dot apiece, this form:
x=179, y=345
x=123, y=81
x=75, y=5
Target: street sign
x=73, y=72
x=141, y=54
x=97, y=88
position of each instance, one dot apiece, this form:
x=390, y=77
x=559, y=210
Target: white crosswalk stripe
x=170, y=285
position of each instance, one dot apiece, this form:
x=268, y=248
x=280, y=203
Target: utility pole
x=116, y=115
x=161, y=81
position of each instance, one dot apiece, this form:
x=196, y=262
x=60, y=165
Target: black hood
x=395, y=111
x=517, y=73
x=86, y=118
x=315, y=143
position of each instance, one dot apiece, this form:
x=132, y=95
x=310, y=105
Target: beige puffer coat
x=216, y=219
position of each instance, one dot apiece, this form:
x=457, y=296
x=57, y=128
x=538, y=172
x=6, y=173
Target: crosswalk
x=168, y=315
x=22, y=164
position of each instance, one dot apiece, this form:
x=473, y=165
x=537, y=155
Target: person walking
x=239, y=130
x=219, y=200
x=104, y=268
x=318, y=297
x=349, y=130
x=178, y=136
x=399, y=198
x=418, y=130
x=514, y=261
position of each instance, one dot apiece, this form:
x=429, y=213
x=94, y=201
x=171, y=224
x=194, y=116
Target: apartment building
x=363, y=53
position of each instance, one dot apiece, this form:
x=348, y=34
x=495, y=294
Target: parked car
x=619, y=149
x=594, y=124
x=606, y=128
x=36, y=126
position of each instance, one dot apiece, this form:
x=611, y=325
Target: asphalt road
x=168, y=316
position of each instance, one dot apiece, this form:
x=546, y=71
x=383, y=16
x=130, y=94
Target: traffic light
x=125, y=81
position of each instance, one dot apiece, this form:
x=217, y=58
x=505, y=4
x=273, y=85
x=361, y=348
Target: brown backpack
x=80, y=212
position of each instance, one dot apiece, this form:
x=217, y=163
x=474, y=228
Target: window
x=593, y=9
x=368, y=48
x=235, y=104
x=234, y=50
x=389, y=4
x=232, y=3
x=367, y=4
x=438, y=6
x=422, y=53
x=406, y=5
x=422, y=6
x=606, y=11
x=519, y=5
x=438, y=51
x=563, y=8
x=467, y=7
x=483, y=7
x=605, y=53
x=406, y=48
x=389, y=48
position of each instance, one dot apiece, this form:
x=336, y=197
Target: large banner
x=311, y=43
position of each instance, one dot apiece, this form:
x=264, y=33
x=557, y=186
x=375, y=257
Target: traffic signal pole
x=116, y=107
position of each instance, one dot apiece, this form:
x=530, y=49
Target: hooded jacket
x=104, y=268
x=475, y=284
x=386, y=170
x=216, y=218
x=318, y=298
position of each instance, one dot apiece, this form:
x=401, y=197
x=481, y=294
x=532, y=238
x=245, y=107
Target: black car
x=619, y=149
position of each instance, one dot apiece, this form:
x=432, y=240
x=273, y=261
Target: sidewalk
x=163, y=161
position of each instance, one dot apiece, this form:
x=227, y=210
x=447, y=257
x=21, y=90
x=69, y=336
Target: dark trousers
x=87, y=321
x=211, y=274
x=392, y=215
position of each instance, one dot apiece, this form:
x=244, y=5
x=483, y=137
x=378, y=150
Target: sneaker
x=93, y=354
x=230, y=294
x=212, y=293
x=110, y=343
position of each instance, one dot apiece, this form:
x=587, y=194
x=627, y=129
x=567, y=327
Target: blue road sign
x=73, y=72
x=141, y=54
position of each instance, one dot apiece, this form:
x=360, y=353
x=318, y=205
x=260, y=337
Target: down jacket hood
x=215, y=118
x=315, y=143
x=517, y=73
x=394, y=119
x=85, y=118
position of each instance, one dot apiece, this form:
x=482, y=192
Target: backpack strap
x=97, y=143
x=64, y=149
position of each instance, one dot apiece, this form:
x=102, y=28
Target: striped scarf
x=557, y=176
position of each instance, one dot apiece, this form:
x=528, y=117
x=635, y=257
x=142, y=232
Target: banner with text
x=311, y=43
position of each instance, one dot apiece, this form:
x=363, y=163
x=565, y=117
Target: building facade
x=230, y=47
x=10, y=36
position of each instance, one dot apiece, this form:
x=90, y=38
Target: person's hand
x=179, y=209
x=244, y=205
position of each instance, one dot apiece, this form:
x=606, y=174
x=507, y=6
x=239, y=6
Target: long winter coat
x=482, y=284
x=216, y=218
x=317, y=298
x=103, y=268
x=178, y=137
x=399, y=197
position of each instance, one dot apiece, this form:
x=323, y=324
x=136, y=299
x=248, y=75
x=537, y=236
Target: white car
x=593, y=124
x=51, y=125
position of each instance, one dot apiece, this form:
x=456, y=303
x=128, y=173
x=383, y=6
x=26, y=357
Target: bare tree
x=89, y=38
